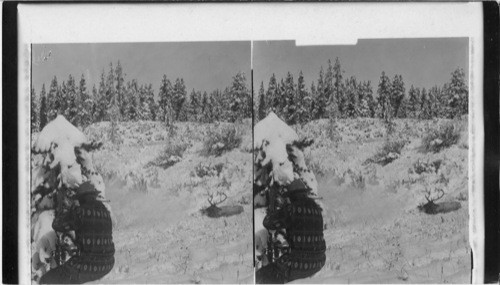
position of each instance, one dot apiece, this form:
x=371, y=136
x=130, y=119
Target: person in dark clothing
x=302, y=222
x=93, y=257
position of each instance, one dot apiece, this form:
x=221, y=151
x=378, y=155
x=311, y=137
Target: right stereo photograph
x=361, y=161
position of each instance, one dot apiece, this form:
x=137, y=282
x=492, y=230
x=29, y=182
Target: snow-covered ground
x=375, y=234
x=159, y=233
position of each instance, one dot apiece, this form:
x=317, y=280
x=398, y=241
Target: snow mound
x=59, y=131
x=271, y=128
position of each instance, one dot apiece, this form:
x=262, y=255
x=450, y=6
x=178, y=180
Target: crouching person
x=301, y=222
x=88, y=239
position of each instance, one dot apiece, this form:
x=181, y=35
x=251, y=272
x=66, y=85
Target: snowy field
x=375, y=233
x=158, y=180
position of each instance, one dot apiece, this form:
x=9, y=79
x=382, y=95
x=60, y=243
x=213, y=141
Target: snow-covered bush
x=354, y=179
x=139, y=183
x=420, y=167
x=171, y=155
x=443, y=137
x=388, y=153
x=221, y=140
x=202, y=169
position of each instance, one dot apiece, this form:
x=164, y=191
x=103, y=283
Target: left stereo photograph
x=141, y=163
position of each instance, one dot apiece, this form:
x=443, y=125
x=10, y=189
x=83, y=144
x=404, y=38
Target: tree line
x=116, y=100
x=335, y=95
x=332, y=95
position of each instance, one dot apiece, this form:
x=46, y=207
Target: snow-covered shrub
x=420, y=167
x=443, y=137
x=333, y=132
x=370, y=173
x=159, y=137
x=221, y=140
x=152, y=177
x=113, y=134
x=139, y=184
x=171, y=155
x=107, y=174
x=202, y=170
x=315, y=165
x=354, y=179
x=388, y=153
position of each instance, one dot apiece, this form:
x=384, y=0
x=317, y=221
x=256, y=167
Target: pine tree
x=132, y=112
x=289, y=108
x=43, y=108
x=338, y=88
x=35, y=117
x=62, y=91
x=95, y=97
x=397, y=94
x=431, y=103
x=193, y=106
x=144, y=108
x=458, y=94
x=351, y=108
x=120, y=89
x=261, y=113
x=71, y=104
x=403, y=108
x=164, y=101
x=303, y=100
x=320, y=102
x=329, y=92
x=225, y=103
x=372, y=104
x=280, y=94
x=418, y=103
x=425, y=104
x=217, y=105
x=206, y=108
x=362, y=100
x=434, y=100
x=272, y=100
x=85, y=103
x=240, y=101
x=110, y=93
x=150, y=98
x=413, y=103
x=444, y=109
x=52, y=100
x=312, y=108
x=178, y=99
x=102, y=101
x=384, y=88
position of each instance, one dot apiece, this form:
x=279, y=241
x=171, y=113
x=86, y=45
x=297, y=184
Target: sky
x=207, y=66
x=203, y=65
x=421, y=62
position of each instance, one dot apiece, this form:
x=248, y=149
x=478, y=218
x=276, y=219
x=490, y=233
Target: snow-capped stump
x=59, y=131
